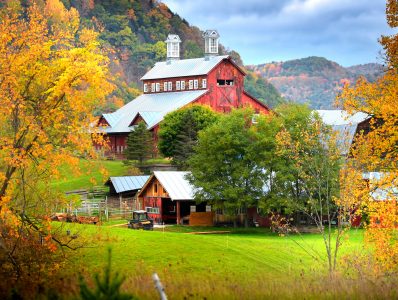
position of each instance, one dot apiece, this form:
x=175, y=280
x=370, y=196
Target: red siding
x=221, y=98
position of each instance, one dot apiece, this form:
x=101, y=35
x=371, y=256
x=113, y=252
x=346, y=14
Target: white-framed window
x=190, y=84
x=182, y=85
x=152, y=87
x=170, y=86
x=157, y=86
x=152, y=210
x=204, y=83
x=145, y=88
x=195, y=84
x=165, y=86
x=178, y=85
x=254, y=118
x=193, y=208
x=208, y=208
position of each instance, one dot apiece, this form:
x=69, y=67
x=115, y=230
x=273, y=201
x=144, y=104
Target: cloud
x=269, y=30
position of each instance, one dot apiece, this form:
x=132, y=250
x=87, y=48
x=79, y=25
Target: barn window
x=152, y=87
x=204, y=83
x=155, y=188
x=195, y=84
x=221, y=82
x=191, y=84
x=254, y=118
x=178, y=85
x=182, y=85
x=145, y=88
x=165, y=86
x=158, y=87
x=170, y=86
x=152, y=210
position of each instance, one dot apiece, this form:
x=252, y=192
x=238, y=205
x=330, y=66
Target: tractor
x=140, y=220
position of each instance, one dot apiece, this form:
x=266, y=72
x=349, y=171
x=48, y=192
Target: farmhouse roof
x=127, y=183
x=185, y=67
x=344, y=124
x=176, y=184
x=151, y=107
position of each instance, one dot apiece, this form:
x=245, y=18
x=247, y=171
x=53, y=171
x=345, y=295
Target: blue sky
x=345, y=31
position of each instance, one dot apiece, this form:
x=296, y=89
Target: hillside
x=313, y=80
x=133, y=32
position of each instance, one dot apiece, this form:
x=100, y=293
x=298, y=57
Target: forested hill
x=135, y=30
x=313, y=80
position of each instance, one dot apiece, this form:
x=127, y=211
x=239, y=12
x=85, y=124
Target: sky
x=345, y=31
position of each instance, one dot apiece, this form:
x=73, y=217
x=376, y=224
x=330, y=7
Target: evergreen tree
x=139, y=144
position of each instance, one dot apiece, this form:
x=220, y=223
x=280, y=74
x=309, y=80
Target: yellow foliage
x=50, y=82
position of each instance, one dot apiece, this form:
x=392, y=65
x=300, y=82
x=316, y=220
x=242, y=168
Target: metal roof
x=127, y=183
x=341, y=117
x=344, y=125
x=184, y=67
x=176, y=184
x=151, y=107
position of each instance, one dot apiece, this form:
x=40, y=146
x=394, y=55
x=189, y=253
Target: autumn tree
x=375, y=150
x=52, y=74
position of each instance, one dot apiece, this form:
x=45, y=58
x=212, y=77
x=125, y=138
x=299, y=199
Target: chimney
x=211, y=37
x=173, y=47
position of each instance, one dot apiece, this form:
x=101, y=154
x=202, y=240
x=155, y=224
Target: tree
x=313, y=160
x=179, y=130
x=375, y=149
x=51, y=77
x=227, y=164
x=139, y=143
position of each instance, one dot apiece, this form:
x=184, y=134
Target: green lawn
x=89, y=176
x=196, y=266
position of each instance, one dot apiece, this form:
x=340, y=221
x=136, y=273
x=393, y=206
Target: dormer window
x=165, y=86
x=182, y=85
x=195, y=84
x=191, y=84
x=204, y=83
x=178, y=85
x=152, y=87
x=170, y=86
x=158, y=87
x=145, y=88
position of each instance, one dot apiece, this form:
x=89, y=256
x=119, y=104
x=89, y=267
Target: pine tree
x=139, y=144
x=186, y=140
x=107, y=287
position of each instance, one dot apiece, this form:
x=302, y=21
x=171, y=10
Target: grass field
x=89, y=176
x=205, y=266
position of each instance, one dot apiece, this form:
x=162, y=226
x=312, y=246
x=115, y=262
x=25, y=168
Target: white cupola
x=211, y=42
x=173, y=46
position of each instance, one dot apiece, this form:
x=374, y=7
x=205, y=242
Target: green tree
x=227, y=164
x=179, y=129
x=139, y=144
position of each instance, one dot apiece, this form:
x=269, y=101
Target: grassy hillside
x=92, y=173
x=313, y=80
x=241, y=265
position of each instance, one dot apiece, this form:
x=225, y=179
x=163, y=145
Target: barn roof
x=127, y=183
x=184, y=67
x=176, y=184
x=151, y=107
x=344, y=124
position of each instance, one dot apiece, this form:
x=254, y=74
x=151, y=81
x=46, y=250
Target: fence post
x=159, y=286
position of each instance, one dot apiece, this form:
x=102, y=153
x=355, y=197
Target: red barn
x=215, y=81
